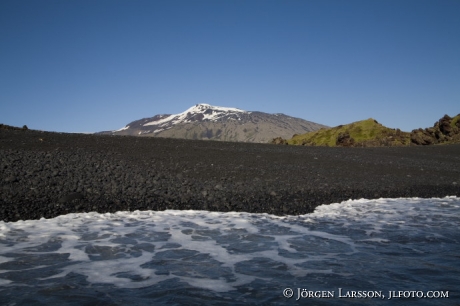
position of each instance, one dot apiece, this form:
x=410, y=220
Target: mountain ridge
x=207, y=122
x=370, y=133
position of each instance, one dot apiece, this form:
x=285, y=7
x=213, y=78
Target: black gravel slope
x=46, y=174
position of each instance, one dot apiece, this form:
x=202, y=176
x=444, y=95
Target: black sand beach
x=45, y=174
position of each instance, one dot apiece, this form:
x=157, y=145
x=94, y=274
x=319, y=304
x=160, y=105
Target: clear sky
x=94, y=65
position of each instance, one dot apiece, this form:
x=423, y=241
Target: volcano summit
x=204, y=121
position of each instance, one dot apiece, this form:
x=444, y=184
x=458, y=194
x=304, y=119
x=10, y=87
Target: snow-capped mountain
x=204, y=121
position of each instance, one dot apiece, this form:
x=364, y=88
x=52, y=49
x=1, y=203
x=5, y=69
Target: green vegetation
x=454, y=121
x=361, y=133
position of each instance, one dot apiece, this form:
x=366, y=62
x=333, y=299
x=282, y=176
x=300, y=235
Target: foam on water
x=384, y=244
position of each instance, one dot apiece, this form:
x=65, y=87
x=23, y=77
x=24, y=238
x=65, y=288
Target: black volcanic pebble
x=71, y=197
x=64, y=173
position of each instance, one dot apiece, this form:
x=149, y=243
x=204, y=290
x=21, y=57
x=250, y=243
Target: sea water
x=358, y=252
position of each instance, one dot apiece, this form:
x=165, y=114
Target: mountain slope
x=365, y=133
x=204, y=121
x=370, y=133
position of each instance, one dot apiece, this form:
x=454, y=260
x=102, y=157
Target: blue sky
x=87, y=66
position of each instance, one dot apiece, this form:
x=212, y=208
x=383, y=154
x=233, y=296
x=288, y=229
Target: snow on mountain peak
x=198, y=112
x=122, y=129
x=203, y=107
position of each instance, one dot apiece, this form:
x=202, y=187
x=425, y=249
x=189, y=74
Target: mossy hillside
x=364, y=133
x=454, y=121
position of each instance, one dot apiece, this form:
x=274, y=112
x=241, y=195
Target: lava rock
x=71, y=197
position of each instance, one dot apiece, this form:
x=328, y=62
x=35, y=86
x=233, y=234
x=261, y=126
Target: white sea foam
x=223, y=252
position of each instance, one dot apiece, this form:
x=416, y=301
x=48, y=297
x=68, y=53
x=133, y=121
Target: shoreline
x=46, y=174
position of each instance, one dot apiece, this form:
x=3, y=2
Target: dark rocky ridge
x=45, y=174
x=446, y=129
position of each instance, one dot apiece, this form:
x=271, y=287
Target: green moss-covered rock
x=365, y=133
